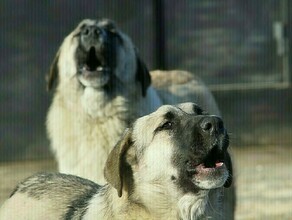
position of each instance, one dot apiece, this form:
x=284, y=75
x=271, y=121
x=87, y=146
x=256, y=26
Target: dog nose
x=93, y=36
x=211, y=124
x=91, y=32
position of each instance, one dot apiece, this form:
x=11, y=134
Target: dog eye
x=166, y=126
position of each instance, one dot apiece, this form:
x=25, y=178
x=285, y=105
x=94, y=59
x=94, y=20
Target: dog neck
x=153, y=204
x=157, y=202
x=107, y=205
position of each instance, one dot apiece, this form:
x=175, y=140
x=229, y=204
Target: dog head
x=97, y=54
x=178, y=147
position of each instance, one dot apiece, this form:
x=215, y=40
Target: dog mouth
x=213, y=160
x=211, y=169
x=94, y=64
x=95, y=70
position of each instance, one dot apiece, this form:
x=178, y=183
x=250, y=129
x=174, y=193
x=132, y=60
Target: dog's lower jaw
x=193, y=206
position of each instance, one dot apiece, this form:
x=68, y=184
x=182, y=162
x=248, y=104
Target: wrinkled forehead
x=149, y=122
x=170, y=111
x=165, y=111
x=191, y=108
x=179, y=109
x=144, y=127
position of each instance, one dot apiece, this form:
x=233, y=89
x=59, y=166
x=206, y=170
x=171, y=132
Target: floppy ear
x=228, y=164
x=54, y=72
x=142, y=75
x=115, y=165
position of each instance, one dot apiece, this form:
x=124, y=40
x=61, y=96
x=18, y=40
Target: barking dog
x=170, y=164
x=102, y=85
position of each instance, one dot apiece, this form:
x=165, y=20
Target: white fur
x=193, y=207
x=21, y=206
x=84, y=124
x=206, y=184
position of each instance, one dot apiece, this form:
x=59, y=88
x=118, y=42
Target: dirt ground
x=263, y=180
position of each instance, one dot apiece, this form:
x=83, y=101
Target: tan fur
x=138, y=170
x=83, y=125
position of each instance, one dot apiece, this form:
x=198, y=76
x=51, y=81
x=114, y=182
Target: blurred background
x=240, y=48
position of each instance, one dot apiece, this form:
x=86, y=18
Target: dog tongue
x=219, y=164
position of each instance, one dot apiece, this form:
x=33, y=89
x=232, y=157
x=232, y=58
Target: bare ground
x=263, y=180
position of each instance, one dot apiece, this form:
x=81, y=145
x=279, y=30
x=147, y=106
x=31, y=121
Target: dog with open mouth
x=101, y=86
x=170, y=164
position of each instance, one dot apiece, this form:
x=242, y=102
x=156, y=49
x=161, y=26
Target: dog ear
x=53, y=74
x=115, y=165
x=228, y=164
x=142, y=75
